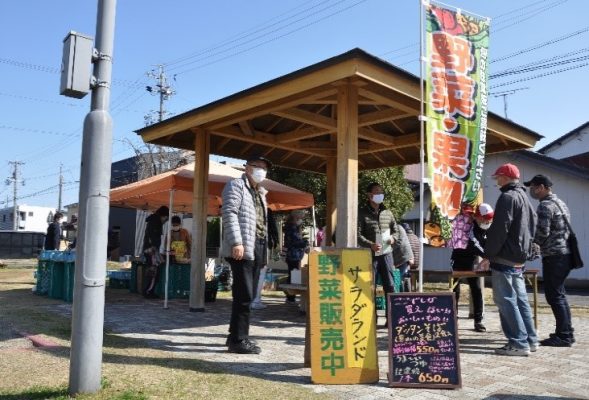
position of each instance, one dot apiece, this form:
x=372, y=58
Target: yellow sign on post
x=342, y=317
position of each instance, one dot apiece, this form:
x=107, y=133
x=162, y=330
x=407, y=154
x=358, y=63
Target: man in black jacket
x=53, y=236
x=509, y=244
x=552, y=237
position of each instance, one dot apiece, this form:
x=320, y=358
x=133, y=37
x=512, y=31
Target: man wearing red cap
x=509, y=244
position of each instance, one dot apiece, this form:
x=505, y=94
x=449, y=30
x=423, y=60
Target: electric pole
x=15, y=179
x=60, y=187
x=162, y=89
x=90, y=271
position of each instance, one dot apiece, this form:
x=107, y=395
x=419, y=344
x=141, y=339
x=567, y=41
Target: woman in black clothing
x=465, y=260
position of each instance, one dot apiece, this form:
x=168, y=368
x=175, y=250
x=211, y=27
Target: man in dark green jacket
x=376, y=230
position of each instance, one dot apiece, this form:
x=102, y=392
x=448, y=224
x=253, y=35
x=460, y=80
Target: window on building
x=30, y=213
x=4, y=218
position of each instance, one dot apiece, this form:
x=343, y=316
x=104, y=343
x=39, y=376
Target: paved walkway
x=550, y=373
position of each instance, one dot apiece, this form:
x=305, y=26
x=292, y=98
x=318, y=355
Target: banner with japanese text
x=342, y=317
x=456, y=101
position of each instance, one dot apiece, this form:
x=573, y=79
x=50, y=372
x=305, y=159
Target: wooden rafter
x=307, y=117
x=300, y=134
x=383, y=97
x=263, y=139
x=246, y=128
x=385, y=115
x=293, y=101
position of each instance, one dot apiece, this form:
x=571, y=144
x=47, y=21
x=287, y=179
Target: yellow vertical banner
x=342, y=317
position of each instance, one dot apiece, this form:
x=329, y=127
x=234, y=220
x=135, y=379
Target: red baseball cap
x=508, y=170
x=485, y=211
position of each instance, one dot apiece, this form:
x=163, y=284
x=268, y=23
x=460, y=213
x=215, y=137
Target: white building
x=30, y=218
x=571, y=184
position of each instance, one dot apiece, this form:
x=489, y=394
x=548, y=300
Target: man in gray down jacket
x=552, y=236
x=245, y=236
x=509, y=243
x=376, y=230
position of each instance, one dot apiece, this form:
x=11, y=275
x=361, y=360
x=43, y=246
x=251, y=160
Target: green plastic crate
x=68, y=284
x=56, y=280
x=42, y=285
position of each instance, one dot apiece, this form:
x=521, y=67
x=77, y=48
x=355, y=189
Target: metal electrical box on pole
x=75, y=65
x=90, y=271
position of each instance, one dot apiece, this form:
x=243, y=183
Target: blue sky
x=215, y=48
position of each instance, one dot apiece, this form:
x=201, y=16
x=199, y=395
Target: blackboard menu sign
x=423, y=340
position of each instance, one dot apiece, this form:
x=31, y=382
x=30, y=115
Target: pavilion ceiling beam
x=263, y=139
x=286, y=156
x=301, y=98
x=386, y=115
x=307, y=117
x=246, y=148
x=300, y=134
x=246, y=128
x=304, y=160
x=375, y=136
x=223, y=142
x=322, y=145
x=378, y=158
x=382, y=97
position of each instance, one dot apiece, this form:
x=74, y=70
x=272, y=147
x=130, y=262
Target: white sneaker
x=509, y=350
x=258, y=306
x=534, y=347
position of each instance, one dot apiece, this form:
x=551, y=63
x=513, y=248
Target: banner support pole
x=422, y=144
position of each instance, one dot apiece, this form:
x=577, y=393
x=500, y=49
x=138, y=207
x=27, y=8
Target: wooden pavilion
x=348, y=113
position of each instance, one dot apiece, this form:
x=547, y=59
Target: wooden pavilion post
x=347, y=165
x=199, y=220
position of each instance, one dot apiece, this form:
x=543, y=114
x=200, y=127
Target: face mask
x=485, y=225
x=378, y=198
x=258, y=175
x=175, y=228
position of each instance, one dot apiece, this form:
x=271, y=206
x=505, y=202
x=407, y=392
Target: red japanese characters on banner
x=455, y=115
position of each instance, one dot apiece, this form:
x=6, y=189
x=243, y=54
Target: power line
x=558, y=71
x=246, y=33
x=540, y=45
x=273, y=39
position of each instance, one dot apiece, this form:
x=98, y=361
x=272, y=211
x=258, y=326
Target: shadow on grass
x=38, y=393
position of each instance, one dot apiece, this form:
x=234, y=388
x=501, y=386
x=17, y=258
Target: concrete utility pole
x=90, y=275
x=60, y=187
x=15, y=181
x=162, y=88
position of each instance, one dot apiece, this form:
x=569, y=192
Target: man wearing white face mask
x=245, y=236
x=376, y=231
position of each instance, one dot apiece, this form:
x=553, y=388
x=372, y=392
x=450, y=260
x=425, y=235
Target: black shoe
x=244, y=347
x=555, y=341
x=572, y=340
x=479, y=327
x=228, y=341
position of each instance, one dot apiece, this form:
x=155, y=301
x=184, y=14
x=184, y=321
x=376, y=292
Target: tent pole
x=314, y=237
x=168, y=239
